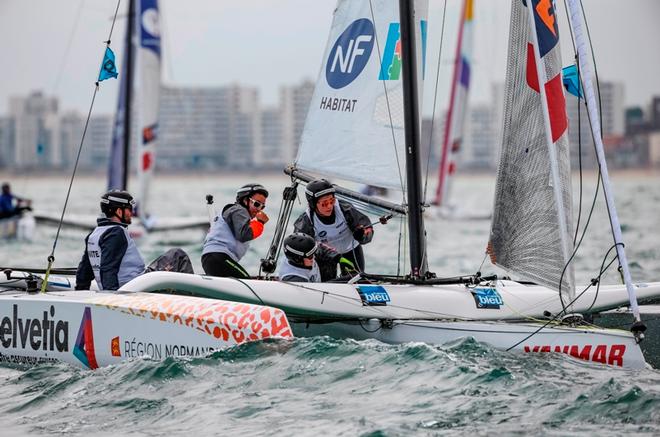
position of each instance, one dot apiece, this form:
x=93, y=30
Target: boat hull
x=603, y=346
x=91, y=330
x=502, y=300
x=430, y=314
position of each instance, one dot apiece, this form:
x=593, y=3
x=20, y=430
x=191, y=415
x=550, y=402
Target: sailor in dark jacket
x=232, y=230
x=337, y=225
x=111, y=256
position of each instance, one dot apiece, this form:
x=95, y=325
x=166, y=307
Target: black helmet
x=299, y=246
x=114, y=199
x=249, y=190
x=317, y=189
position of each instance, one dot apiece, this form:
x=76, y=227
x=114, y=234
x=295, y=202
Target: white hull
x=91, y=329
x=164, y=224
x=431, y=314
x=21, y=227
x=518, y=301
x=605, y=346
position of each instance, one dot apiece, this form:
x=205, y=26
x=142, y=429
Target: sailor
x=111, y=256
x=10, y=204
x=337, y=225
x=232, y=230
x=299, y=264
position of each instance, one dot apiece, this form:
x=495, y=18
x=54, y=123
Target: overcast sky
x=56, y=46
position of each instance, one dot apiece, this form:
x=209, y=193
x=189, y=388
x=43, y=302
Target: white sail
x=148, y=55
x=354, y=127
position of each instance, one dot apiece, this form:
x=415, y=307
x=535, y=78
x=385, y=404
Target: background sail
x=525, y=236
x=148, y=55
x=458, y=100
x=350, y=132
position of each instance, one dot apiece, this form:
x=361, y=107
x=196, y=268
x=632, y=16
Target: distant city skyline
x=56, y=47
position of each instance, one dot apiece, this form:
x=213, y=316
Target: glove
x=358, y=234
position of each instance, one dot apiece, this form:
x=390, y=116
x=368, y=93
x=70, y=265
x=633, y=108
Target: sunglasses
x=257, y=204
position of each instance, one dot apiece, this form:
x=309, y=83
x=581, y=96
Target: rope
x=435, y=98
x=595, y=281
x=51, y=257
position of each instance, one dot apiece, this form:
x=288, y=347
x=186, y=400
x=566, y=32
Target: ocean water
x=339, y=387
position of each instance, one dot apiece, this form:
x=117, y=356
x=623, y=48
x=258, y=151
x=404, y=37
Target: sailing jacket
x=346, y=216
x=231, y=232
x=111, y=257
x=290, y=273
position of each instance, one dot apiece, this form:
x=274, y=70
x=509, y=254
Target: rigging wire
x=563, y=311
x=435, y=98
x=579, y=126
x=51, y=257
x=60, y=70
x=389, y=111
x=599, y=178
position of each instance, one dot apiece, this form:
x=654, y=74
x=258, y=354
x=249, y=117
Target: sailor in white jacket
x=299, y=264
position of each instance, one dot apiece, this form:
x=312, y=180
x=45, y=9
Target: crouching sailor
x=231, y=232
x=111, y=256
x=299, y=263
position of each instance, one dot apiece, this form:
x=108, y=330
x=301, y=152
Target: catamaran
x=368, y=91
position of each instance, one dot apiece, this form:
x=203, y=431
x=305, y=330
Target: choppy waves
x=321, y=385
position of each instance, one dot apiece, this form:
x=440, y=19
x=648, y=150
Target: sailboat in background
x=142, y=61
x=368, y=92
x=454, y=128
x=136, y=125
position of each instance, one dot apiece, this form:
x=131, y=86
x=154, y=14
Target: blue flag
x=571, y=80
x=108, y=68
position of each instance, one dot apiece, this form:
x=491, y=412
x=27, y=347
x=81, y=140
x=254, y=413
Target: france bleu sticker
x=487, y=298
x=373, y=295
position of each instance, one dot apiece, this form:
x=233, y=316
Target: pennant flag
x=572, y=81
x=108, y=67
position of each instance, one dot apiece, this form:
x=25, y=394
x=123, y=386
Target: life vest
x=221, y=239
x=309, y=275
x=337, y=235
x=132, y=264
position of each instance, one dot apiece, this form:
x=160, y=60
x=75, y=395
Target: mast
x=130, y=55
x=412, y=135
x=586, y=75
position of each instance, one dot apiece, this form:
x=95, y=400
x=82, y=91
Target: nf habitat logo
x=390, y=67
x=350, y=54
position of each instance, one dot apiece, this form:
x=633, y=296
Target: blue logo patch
x=487, y=298
x=373, y=295
x=350, y=54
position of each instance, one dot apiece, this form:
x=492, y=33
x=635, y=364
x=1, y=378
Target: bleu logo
x=350, y=53
x=322, y=234
x=373, y=295
x=487, y=298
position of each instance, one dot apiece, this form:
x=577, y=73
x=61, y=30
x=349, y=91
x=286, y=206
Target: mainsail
x=354, y=127
x=531, y=232
x=455, y=122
